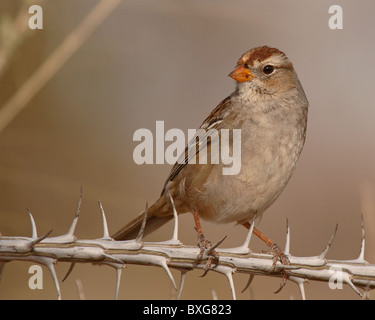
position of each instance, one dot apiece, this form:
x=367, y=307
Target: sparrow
x=270, y=108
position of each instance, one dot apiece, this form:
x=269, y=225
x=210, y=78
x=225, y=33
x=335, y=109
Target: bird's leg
x=203, y=245
x=275, y=250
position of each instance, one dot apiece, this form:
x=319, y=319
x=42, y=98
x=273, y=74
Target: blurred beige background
x=169, y=60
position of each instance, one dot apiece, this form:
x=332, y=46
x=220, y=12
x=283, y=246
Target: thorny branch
x=47, y=251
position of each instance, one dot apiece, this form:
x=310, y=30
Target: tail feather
x=131, y=230
x=153, y=222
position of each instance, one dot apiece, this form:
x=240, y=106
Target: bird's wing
x=211, y=122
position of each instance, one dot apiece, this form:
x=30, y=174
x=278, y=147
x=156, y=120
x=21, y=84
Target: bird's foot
x=205, y=245
x=279, y=255
x=213, y=256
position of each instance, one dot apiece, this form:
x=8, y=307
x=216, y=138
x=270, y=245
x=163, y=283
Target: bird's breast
x=270, y=149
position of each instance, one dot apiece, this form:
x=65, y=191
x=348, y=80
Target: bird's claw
x=213, y=256
x=279, y=255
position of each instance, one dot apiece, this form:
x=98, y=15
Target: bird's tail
x=153, y=222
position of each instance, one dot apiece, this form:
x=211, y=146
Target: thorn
x=214, y=295
x=80, y=197
x=244, y=248
x=165, y=267
x=251, y=278
x=81, y=293
x=69, y=271
x=118, y=279
x=113, y=259
x=229, y=276
x=246, y=244
x=213, y=247
x=79, y=202
x=69, y=236
x=49, y=263
x=300, y=283
x=33, y=225
x=106, y=235
x=175, y=216
x=325, y=251
x=361, y=256
x=348, y=281
x=287, y=241
x=182, y=281
x=75, y=220
x=37, y=240
x=143, y=225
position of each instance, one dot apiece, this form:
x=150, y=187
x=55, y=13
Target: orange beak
x=241, y=74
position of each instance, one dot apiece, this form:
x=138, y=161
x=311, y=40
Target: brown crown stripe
x=259, y=54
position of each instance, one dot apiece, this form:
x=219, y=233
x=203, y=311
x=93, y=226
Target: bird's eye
x=268, y=69
x=246, y=66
